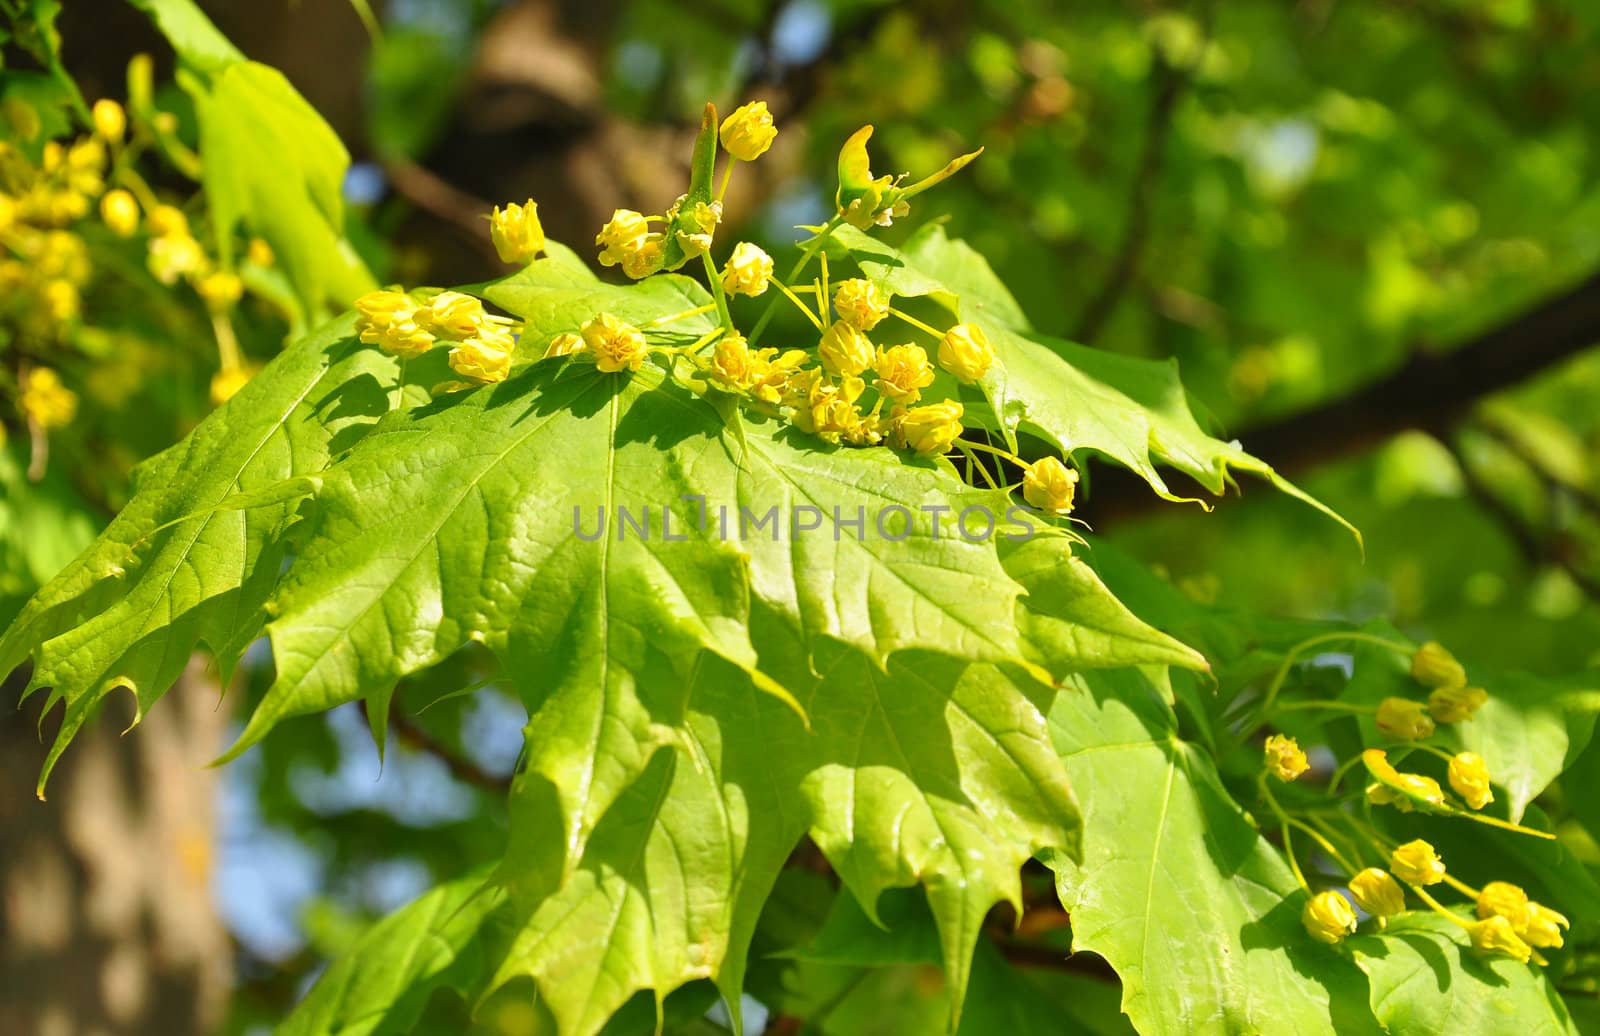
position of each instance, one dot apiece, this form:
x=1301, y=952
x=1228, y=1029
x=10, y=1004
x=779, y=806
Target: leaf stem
x=914, y=322
x=811, y=248
x=1437, y=906
x=1007, y=454
x=966, y=449
x=801, y=306
x=716, y=288
x=1339, y=774
x=1284, y=827
x=1305, y=645
x=1327, y=846
x=1332, y=706
x=660, y=321
x=822, y=289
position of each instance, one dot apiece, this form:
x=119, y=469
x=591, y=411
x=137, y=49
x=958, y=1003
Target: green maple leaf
x=1425, y=978
x=1197, y=914
x=696, y=701
x=181, y=565
x=1130, y=410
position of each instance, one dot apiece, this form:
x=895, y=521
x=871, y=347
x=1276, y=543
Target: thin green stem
x=1438, y=907
x=727, y=175
x=914, y=322
x=659, y=321
x=801, y=306
x=1304, y=646
x=1441, y=753
x=695, y=346
x=1284, y=828
x=823, y=302
x=1504, y=825
x=1345, y=839
x=716, y=288
x=1460, y=886
x=1339, y=774
x=966, y=450
x=1327, y=846
x=130, y=178
x=998, y=452
x=1331, y=706
x=812, y=247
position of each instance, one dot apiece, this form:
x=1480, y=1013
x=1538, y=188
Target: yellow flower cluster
x=822, y=390
x=45, y=401
x=1467, y=772
x=1450, y=700
x=481, y=344
x=517, y=234
x=1285, y=758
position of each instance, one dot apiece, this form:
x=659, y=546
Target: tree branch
x=1431, y=391
x=1170, y=82
x=412, y=735
x=1556, y=549
x=1434, y=390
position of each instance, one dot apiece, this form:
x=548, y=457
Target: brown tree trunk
x=108, y=925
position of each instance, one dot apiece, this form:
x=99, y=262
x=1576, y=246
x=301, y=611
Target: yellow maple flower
x=965, y=352
x=615, y=344
x=748, y=132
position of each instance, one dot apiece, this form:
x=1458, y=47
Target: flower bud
x=1455, y=704
x=1433, y=666
x=166, y=221
x=1495, y=937
x=380, y=309
x=1285, y=760
x=646, y=257
x=903, y=372
x=748, y=271
x=564, y=345
x=1469, y=776
x=1050, y=486
x=931, y=429
x=484, y=356
x=1376, y=892
x=404, y=338
x=226, y=383
x=1542, y=926
x=616, y=344
x=45, y=401
x=860, y=304
x=844, y=351
x=176, y=255
x=732, y=362
x=220, y=290
x=1501, y=899
x=110, y=121
x=61, y=300
x=259, y=253
x=1417, y=863
x=1403, y=719
x=120, y=212
x=517, y=234
x=452, y=314
x=695, y=224
x=1328, y=917
x=748, y=132
x=965, y=352
x=624, y=233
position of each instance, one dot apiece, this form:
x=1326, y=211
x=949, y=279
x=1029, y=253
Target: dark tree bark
x=108, y=925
